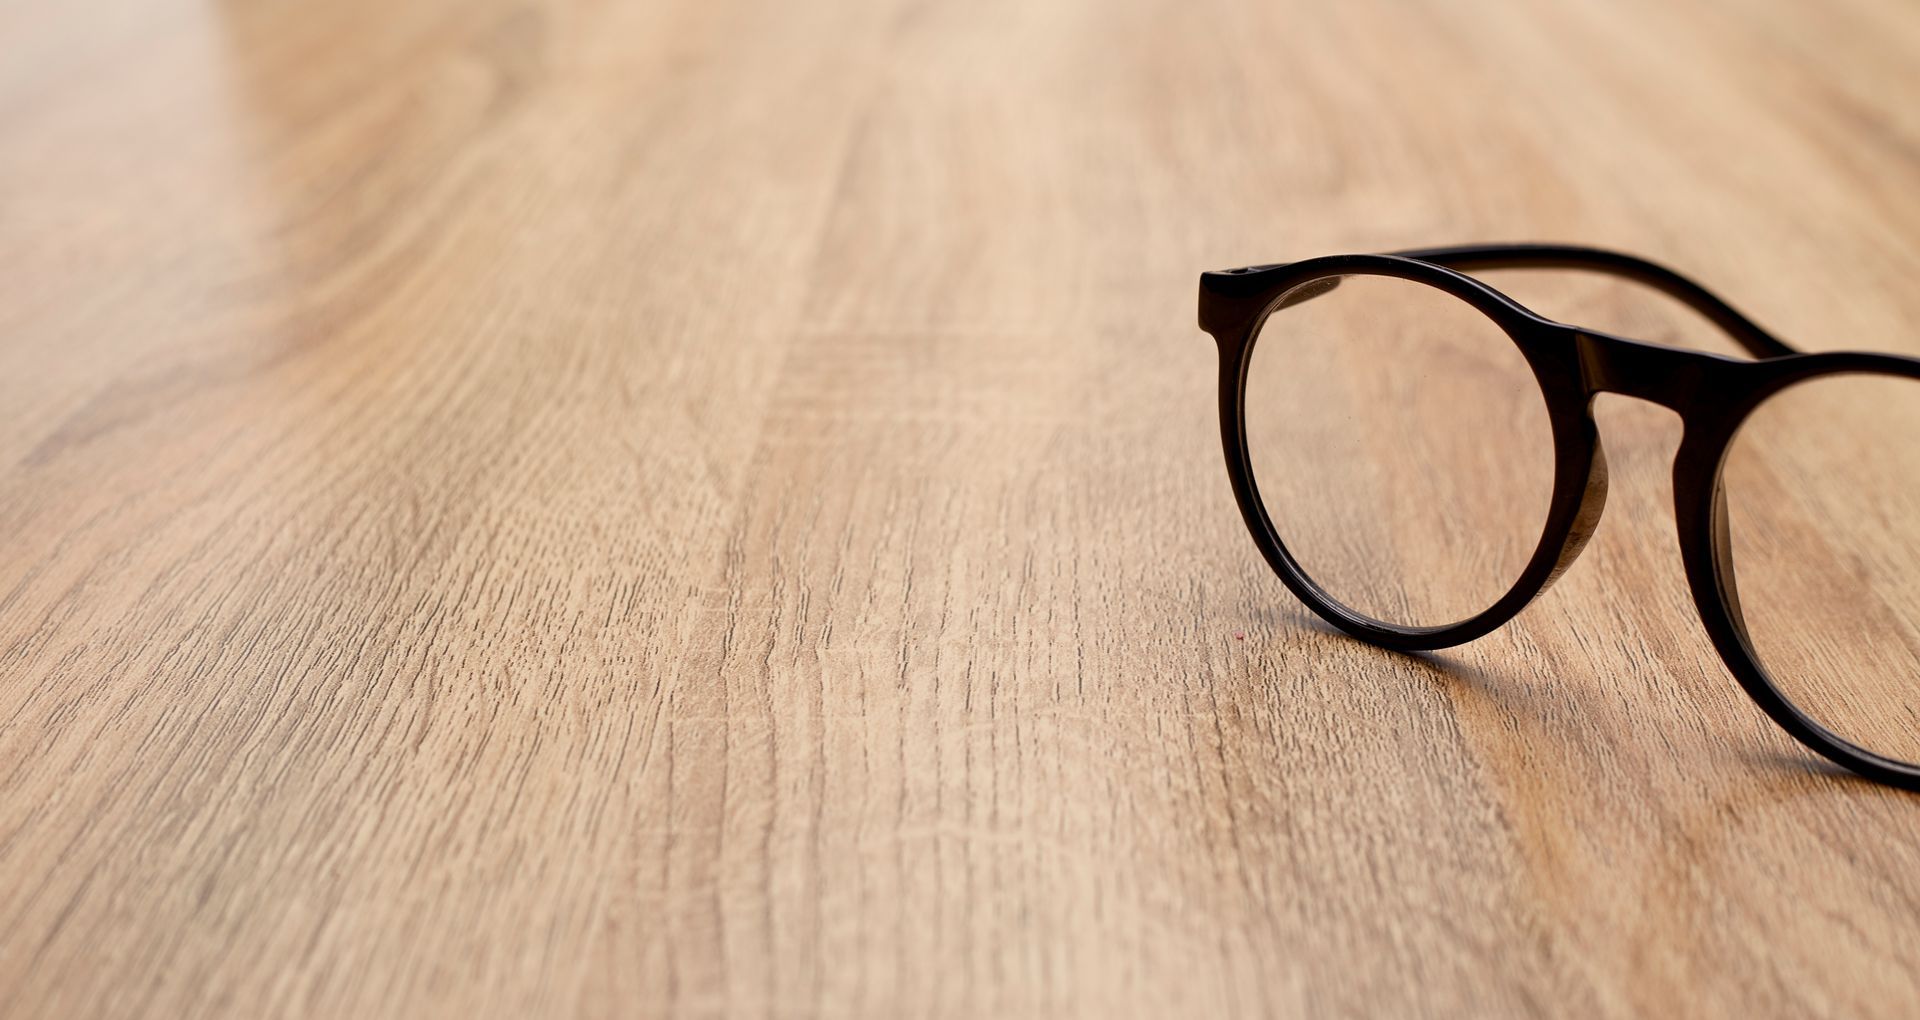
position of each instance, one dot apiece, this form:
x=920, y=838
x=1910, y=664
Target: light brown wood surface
x=714, y=508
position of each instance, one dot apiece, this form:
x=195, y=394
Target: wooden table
x=596, y=509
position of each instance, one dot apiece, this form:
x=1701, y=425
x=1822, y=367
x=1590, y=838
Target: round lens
x=1401, y=447
x=1822, y=486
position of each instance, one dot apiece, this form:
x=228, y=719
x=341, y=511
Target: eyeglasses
x=1416, y=457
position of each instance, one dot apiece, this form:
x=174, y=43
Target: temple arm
x=1466, y=258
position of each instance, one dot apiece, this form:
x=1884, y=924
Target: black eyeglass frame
x=1711, y=393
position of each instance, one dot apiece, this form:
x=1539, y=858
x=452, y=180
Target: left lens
x=1823, y=501
x=1401, y=447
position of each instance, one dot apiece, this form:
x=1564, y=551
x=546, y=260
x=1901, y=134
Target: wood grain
x=583, y=509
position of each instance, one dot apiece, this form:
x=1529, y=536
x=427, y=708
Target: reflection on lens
x=1401, y=447
x=1823, y=502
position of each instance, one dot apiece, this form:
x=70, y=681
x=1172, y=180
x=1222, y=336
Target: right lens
x=1401, y=446
x=1823, y=505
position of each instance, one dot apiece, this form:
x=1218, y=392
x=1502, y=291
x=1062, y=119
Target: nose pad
x=1593, y=500
x=1722, y=538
